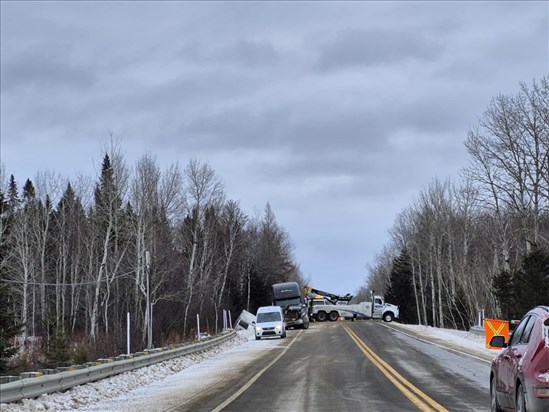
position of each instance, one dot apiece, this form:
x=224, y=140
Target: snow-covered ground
x=137, y=387
x=468, y=342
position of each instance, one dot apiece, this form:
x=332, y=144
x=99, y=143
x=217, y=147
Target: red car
x=519, y=377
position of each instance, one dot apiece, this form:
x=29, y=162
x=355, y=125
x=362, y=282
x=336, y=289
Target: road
x=350, y=366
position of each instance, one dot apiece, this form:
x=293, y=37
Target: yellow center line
x=410, y=391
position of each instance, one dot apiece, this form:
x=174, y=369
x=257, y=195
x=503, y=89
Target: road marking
x=256, y=377
x=437, y=344
x=422, y=400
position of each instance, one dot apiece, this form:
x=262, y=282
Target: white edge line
x=439, y=345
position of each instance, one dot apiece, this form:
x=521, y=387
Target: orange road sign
x=493, y=327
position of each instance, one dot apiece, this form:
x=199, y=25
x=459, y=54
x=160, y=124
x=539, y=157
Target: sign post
x=493, y=327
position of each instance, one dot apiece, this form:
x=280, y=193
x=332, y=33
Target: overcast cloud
x=336, y=113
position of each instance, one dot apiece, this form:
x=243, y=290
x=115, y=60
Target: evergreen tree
x=9, y=327
x=502, y=285
x=401, y=288
x=29, y=192
x=530, y=283
x=56, y=349
x=13, y=195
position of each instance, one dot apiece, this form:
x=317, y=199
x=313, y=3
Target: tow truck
x=328, y=306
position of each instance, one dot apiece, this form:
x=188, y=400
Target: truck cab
x=288, y=296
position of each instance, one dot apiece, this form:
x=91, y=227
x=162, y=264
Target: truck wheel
x=388, y=316
x=333, y=316
x=321, y=316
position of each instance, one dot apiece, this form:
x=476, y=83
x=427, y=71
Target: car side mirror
x=253, y=322
x=498, y=341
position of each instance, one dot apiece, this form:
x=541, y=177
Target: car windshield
x=268, y=317
x=288, y=302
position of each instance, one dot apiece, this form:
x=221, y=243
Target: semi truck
x=322, y=308
x=289, y=297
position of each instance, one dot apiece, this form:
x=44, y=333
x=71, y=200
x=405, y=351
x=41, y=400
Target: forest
x=165, y=245
x=162, y=245
x=480, y=243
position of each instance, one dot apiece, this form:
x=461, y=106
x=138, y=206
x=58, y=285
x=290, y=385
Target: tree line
x=480, y=243
x=137, y=240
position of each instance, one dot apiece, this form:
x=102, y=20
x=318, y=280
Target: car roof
x=269, y=309
x=542, y=311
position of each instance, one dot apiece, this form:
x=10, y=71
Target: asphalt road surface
x=351, y=366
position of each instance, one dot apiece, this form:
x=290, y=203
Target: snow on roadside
x=93, y=392
x=461, y=338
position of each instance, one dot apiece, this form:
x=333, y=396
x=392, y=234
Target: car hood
x=268, y=324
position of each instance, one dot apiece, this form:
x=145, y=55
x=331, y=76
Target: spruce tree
x=502, y=285
x=56, y=349
x=401, y=289
x=530, y=283
x=9, y=327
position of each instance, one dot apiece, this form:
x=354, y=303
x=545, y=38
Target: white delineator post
x=198, y=326
x=128, y=333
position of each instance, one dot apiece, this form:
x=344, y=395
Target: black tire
x=520, y=400
x=333, y=316
x=494, y=405
x=321, y=316
x=305, y=325
x=257, y=338
x=388, y=317
x=283, y=335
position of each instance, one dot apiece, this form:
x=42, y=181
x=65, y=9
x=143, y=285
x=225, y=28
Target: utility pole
x=149, y=305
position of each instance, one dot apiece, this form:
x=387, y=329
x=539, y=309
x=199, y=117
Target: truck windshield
x=268, y=317
x=288, y=302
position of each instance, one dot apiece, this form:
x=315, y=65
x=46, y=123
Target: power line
x=20, y=282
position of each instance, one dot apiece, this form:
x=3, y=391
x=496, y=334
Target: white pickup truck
x=323, y=309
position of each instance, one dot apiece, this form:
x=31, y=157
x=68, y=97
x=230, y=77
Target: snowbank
x=92, y=393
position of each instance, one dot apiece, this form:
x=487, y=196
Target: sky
x=337, y=114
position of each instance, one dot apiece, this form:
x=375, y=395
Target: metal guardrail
x=56, y=380
x=477, y=330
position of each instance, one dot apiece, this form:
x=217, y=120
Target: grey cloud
x=242, y=53
x=374, y=47
x=44, y=66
